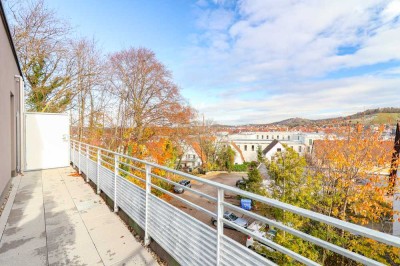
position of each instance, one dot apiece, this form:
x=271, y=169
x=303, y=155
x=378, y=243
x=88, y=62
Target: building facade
x=250, y=142
x=11, y=85
x=191, y=158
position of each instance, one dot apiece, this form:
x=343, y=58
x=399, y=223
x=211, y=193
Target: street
x=224, y=178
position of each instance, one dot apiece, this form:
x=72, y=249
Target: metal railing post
x=87, y=163
x=73, y=153
x=98, y=170
x=79, y=158
x=146, y=216
x=115, y=181
x=220, y=223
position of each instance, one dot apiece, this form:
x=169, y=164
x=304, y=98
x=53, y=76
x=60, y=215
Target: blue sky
x=257, y=61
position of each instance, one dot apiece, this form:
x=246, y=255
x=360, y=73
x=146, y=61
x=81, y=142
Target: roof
x=270, y=146
x=8, y=32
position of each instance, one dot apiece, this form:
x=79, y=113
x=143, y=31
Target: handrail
x=350, y=227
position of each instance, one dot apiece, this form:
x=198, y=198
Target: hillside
x=369, y=117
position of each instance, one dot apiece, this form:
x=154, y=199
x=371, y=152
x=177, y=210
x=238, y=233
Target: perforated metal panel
x=232, y=253
x=83, y=164
x=131, y=199
x=188, y=240
x=92, y=171
x=107, y=181
x=76, y=155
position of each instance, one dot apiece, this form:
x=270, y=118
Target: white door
x=47, y=141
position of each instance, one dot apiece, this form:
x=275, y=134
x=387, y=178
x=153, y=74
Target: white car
x=261, y=231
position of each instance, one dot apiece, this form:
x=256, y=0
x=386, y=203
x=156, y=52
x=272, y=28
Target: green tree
x=260, y=157
x=291, y=183
x=254, y=181
x=226, y=158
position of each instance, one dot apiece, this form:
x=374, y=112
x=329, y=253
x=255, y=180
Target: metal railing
x=130, y=183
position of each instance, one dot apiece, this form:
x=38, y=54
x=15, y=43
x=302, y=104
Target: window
x=310, y=142
x=262, y=136
x=245, y=147
x=279, y=150
x=309, y=149
x=257, y=136
x=299, y=148
x=277, y=137
x=298, y=137
x=267, y=137
x=288, y=137
x=252, y=147
x=272, y=137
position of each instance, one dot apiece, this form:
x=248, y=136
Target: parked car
x=230, y=216
x=179, y=189
x=240, y=183
x=263, y=231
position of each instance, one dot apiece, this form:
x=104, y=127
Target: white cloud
x=269, y=47
x=309, y=100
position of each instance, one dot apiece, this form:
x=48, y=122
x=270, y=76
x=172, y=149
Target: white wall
x=248, y=154
x=47, y=140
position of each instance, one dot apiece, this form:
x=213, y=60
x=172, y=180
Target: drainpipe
x=21, y=126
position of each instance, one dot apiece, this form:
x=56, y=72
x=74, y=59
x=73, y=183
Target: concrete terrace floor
x=57, y=219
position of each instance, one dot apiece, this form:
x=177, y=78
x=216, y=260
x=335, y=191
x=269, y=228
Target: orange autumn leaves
x=355, y=164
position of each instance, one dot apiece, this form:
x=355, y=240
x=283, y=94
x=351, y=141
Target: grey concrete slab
x=55, y=218
x=37, y=257
x=24, y=237
x=75, y=253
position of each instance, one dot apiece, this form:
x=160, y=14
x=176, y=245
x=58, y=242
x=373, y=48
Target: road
x=224, y=178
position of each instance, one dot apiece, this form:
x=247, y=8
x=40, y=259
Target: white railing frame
x=116, y=158
x=87, y=162
x=79, y=158
x=146, y=217
x=220, y=222
x=98, y=171
x=72, y=154
x=221, y=204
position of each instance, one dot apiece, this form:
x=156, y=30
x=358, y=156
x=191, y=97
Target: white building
x=190, y=159
x=274, y=147
x=248, y=142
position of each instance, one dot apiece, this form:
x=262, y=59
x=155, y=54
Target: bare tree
x=42, y=44
x=147, y=96
x=87, y=73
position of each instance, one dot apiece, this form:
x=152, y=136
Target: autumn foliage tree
x=354, y=164
x=346, y=179
x=147, y=98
